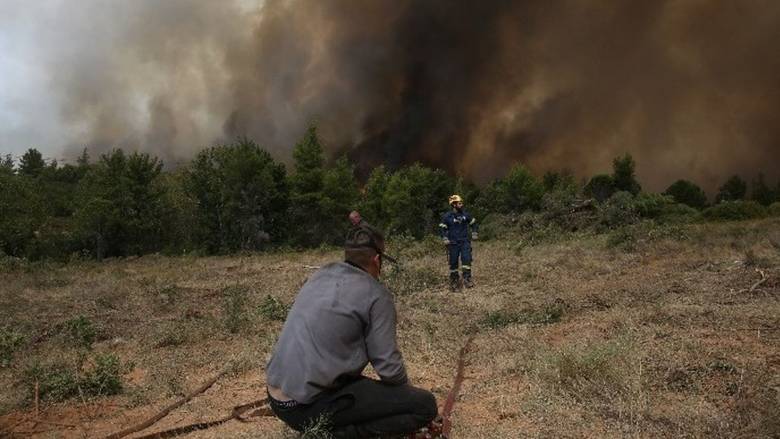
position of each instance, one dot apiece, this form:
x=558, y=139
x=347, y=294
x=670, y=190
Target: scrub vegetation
x=600, y=310
x=675, y=335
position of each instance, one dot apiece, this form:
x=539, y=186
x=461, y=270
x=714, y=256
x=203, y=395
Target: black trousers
x=363, y=408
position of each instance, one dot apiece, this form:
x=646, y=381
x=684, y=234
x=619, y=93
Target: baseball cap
x=366, y=236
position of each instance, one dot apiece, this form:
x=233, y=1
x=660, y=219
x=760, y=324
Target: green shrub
x=623, y=238
x=11, y=263
x=600, y=187
x=651, y=205
x=545, y=233
x=10, y=341
x=619, y=210
x=558, y=203
x=234, y=307
x=735, y=211
x=492, y=226
x=774, y=209
x=688, y=193
x=273, y=309
x=679, y=213
x=58, y=382
x=517, y=192
x=81, y=332
x=404, y=246
x=104, y=379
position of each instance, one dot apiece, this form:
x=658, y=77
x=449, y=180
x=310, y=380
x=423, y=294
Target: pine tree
x=733, y=189
x=415, y=198
x=371, y=207
x=761, y=192
x=340, y=195
x=120, y=207
x=32, y=163
x=623, y=176
x=241, y=197
x=306, y=184
x=7, y=165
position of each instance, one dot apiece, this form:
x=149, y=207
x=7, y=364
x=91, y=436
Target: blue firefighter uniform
x=455, y=227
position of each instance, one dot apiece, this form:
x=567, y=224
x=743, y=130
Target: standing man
x=454, y=231
x=343, y=319
x=355, y=219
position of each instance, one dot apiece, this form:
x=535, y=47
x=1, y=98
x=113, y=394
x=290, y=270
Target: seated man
x=342, y=319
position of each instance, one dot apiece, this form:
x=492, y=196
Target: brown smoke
x=690, y=88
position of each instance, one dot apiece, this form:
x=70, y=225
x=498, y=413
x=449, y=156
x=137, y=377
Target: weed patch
x=59, y=382
x=598, y=372
x=175, y=334
x=550, y=313
x=319, y=428
x=623, y=239
x=104, y=378
x=10, y=341
x=80, y=332
x=235, y=308
x=735, y=211
x=273, y=309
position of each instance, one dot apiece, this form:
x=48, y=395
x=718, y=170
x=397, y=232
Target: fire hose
x=239, y=412
x=449, y=403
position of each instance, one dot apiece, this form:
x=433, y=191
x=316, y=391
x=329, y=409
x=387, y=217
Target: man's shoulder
x=349, y=274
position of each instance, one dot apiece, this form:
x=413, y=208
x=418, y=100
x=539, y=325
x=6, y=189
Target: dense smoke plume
x=690, y=88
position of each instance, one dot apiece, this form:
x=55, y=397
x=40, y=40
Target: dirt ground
x=672, y=332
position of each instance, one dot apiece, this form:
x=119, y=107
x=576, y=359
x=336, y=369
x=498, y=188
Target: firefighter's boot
x=454, y=281
x=467, y=276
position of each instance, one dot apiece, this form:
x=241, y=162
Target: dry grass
x=649, y=332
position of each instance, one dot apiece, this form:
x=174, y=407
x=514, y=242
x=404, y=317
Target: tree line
x=236, y=197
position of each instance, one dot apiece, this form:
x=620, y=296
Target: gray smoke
x=690, y=88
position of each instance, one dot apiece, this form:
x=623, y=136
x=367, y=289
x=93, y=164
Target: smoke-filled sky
x=691, y=88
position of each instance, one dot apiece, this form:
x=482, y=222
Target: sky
x=22, y=77
x=690, y=88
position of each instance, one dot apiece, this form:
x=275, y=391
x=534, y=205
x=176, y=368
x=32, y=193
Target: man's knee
x=425, y=406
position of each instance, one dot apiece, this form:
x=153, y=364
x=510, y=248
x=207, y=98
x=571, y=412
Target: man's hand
x=474, y=236
x=445, y=241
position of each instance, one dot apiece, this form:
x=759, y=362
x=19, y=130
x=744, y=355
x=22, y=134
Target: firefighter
x=457, y=229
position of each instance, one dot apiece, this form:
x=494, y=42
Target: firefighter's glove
x=474, y=236
x=445, y=241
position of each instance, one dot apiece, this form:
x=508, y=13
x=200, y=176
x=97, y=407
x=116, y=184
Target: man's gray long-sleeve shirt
x=341, y=320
